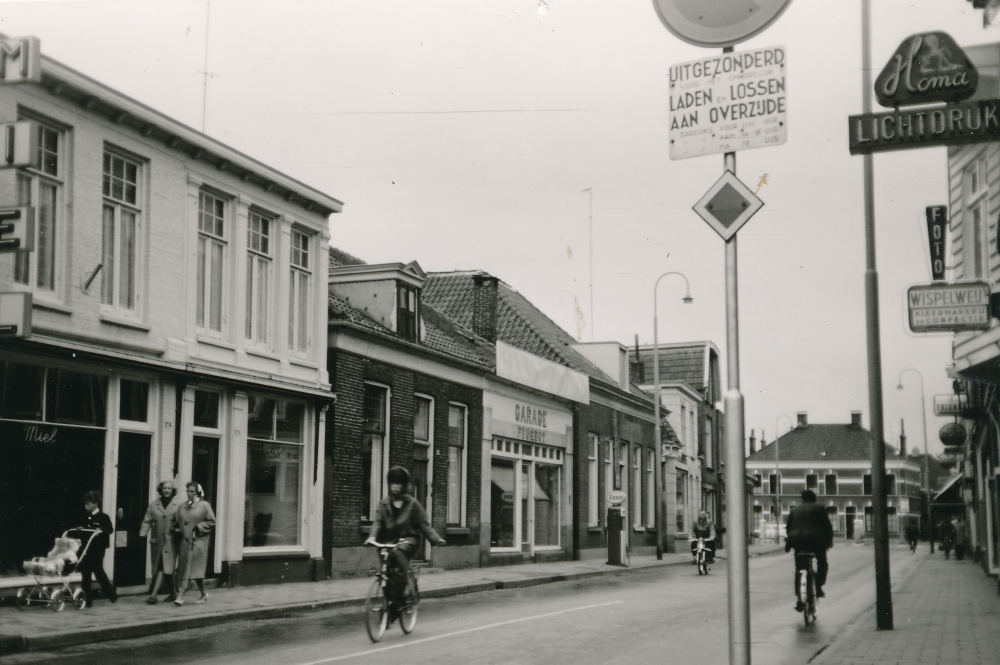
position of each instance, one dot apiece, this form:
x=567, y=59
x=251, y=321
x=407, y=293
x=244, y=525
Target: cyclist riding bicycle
x=400, y=517
x=704, y=528
x=809, y=530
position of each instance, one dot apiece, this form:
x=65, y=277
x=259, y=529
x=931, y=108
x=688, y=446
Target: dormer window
x=406, y=311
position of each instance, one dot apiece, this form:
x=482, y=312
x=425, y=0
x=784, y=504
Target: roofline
x=61, y=80
x=417, y=349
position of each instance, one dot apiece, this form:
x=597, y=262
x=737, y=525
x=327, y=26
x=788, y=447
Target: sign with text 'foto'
x=955, y=124
x=949, y=307
x=937, y=220
x=729, y=102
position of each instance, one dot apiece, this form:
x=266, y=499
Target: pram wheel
x=22, y=598
x=79, y=598
x=58, y=601
x=45, y=593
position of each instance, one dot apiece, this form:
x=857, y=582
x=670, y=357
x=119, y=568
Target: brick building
x=163, y=343
x=409, y=385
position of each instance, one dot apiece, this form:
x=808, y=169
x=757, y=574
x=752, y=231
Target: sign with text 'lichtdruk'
x=977, y=121
x=729, y=102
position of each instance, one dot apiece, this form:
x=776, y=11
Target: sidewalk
x=38, y=628
x=945, y=612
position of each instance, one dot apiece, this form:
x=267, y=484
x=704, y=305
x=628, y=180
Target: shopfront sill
x=456, y=531
x=214, y=341
x=276, y=553
x=51, y=306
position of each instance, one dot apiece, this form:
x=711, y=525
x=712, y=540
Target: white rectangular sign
x=949, y=307
x=734, y=101
x=948, y=405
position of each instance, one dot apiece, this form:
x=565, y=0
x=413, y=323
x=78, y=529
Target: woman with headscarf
x=195, y=522
x=162, y=552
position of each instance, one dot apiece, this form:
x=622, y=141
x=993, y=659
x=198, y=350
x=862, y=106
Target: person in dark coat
x=92, y=563
x=809, y=530
x=947, y=530
x=961, y=538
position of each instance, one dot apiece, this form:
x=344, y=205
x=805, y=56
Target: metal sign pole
x=883, y=591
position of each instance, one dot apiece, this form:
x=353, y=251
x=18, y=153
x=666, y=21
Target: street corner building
x=834, y=461
x=168, y=329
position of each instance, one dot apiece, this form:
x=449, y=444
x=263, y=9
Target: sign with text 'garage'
x=729, y=102
x=949, y=307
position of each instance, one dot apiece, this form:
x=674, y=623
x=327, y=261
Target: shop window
x=133, y=400
x=650, y=489
x=74, y=398
x=593, y=493
x=275, y=451
x=121, y=224
x=406, y=312
x=422, y=420
x=206, y=409
x=23, y=388
x=42, y=188
x=258, y=278
x=502, y=503
x=456, y=464
x=211, y=270
x=546, y=504
x=620, y=473
x=299, y=293
x=637, y=486
x=372, y=444
x=608, y=470
x=831, y=484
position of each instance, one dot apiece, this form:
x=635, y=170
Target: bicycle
x=385, y=601
x=807, y=585
x=701, y=555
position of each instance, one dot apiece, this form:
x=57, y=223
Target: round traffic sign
x=717, y=23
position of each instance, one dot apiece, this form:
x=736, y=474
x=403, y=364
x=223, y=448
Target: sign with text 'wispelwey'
x=949, y=307
x=937, y=220
x=729, y=102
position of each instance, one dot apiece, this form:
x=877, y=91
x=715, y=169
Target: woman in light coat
x=194, y=521
x=162, y=552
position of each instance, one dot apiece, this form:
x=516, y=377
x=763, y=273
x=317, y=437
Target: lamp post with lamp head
x=923, y=421
x=661, y=524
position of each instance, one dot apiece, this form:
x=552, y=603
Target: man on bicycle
x=399, y=517
x=704, y=528
x=809, y=530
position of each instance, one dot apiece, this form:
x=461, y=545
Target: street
x=636, y=617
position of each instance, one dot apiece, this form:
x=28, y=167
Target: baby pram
x=52, y=572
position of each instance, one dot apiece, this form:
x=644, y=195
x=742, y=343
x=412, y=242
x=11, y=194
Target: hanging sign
x=616, y=498
x=949, y=307
x=955, y=124
x=937, y=221
x=729, y=102
x=926, y=68
x=948, y=405
x=20, y=60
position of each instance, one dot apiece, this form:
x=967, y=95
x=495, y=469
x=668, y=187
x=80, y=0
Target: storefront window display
x=276, y=430
x=525, y=489
x=51, y=452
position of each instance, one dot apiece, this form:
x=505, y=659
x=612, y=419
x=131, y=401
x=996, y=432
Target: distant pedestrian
x=195, y=521
x=859, y=529
x=961, y=538
x=947, y=531
x=162, y=549
x=92, y=564
x=912, y=535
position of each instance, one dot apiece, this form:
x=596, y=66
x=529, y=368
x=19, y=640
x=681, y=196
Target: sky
x=463, y=133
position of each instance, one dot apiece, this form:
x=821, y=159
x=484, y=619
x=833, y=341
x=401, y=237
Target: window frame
x=111, y=276
x=411, y=330
x=593, y=484
x=258, y=331
x=378, y=488
x=204, y=263
x=975, y=199
x=608, y=476
x=826, y=484
x=650, y=489
x=463, y=471
x=637, y=503
x=300, y=318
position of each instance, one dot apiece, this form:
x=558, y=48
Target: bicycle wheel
x=376, y=611
x=809, y=614
x=408, y=614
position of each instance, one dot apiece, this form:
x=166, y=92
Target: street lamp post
x=661, y=523
x=777, y=478
x=927, y=472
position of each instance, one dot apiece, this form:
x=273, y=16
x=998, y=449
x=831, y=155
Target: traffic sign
x=949, y=307
x=718, y=23
x=728, y=205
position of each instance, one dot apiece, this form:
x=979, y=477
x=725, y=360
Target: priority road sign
x=728, y=205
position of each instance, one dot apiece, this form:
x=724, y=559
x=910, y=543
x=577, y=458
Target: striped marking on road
x=458, y=632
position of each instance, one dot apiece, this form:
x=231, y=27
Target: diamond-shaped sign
x=728, y=205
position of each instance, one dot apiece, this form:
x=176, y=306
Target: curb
x=11, y=644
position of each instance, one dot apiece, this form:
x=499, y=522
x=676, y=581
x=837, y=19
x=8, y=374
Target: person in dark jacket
x=399, y=517
x=809, y=530
x=92, y=564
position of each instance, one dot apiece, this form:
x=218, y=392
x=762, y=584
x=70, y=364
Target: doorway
x=419, y=481
x=133, y=497
x=849, y=521
x=204, y=471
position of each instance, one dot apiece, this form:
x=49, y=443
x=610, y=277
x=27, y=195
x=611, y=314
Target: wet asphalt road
x=668, y=614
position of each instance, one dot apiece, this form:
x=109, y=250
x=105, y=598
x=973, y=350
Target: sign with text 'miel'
x=949, y=307
x=729, y=102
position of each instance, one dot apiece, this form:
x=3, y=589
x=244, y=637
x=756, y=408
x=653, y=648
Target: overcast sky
x=460, y=133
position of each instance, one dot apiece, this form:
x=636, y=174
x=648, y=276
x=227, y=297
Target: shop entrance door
x=419, y=481
x=849, y=521
x=133, y=497
x=527, y=518
x=205, y=471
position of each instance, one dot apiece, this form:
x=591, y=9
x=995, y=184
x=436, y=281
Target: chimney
x=753, y=443
x=637, y=371
x=484, y=306
x=803, y=418
x=855, y=419
x=902, y=439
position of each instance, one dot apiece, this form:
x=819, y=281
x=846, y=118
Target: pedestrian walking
x=947, y=531
x=195, y=521
x=92, y=564
x=162, y=549
x=912, y=535
x=961, y=538
x=859, y=529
